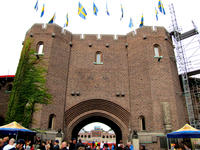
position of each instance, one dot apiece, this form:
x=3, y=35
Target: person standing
x=20, y=144
x=56, y=146
x=101, y=145
x=64, y=145
x=1, y=144
x=72, y=145
x=5, y=141
x=79, y=145
x=10, y=145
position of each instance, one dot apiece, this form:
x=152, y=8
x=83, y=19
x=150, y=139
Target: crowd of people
x=38, y=144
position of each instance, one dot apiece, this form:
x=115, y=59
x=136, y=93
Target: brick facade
x=5, y=90
x=128, y=85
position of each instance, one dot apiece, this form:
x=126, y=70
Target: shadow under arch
x=101, y=119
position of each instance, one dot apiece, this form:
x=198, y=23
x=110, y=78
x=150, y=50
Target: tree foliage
x=28, y=87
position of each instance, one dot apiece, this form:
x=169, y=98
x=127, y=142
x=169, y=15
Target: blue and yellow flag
x=36, y=6
x=52, y=19
x=163, y=9
x=107, y=10
x=156, y=14
x=130, y=23
x=122, y=12
x=160, y=6
x=95, y=9
x=81, y=11
x=67, y=21
x=42, y=13
x=142, y=21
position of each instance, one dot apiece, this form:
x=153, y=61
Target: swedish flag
x=67, y=21
x=163, y=9
x=107, y=10
x=122, y=12
x=81, y=11
x=156, y=14
x=36, y=6
x=52, y=19
x=160, y=6
x=42, y=13
x=95, y=9
x=142, y=22
x=130, y=23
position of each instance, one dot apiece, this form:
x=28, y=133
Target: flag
x=81, y=11
x=130, y=23
x=160, y=6
x=42, y=13
x=67, y=21
x=95, y=9
x=122, y=12
x=107, y=10
x=163, y=9
x=156, y=14
x=36, y=6
x=52, y=19
x=142, y=22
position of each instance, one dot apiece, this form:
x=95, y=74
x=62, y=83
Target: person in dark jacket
x=20, y=144
x=79, y=144
x=72, y=144
x=56, y=146
x=64, y=145
x=42, y=146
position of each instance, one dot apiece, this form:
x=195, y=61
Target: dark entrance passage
x=104, y=120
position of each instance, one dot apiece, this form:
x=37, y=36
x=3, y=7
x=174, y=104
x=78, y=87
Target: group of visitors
x=11, y=144
x=181, y=146
x=21, y=144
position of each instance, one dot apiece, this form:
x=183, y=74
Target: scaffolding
x=182, y=64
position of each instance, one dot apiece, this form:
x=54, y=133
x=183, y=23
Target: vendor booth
x=14, y=129
x=186, y=134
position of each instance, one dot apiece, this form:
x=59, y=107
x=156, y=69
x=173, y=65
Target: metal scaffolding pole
x=177, y=37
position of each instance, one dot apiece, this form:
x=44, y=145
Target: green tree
x=28, y=87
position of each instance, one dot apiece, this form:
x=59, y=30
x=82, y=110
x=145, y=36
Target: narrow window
x=99, y=58
x=157, y=51
x=51, y=121
x=88, y=136
x=40, y=48
x=142, y=123
x=81, y=136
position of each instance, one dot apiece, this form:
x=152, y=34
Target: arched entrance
x=97, y=110
x=101, y=119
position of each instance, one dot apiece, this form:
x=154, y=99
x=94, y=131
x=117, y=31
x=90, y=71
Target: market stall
x=185, y=133
x=15, y=129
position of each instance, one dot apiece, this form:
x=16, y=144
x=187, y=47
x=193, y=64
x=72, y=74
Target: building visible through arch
x=92, y=119
x=114, y=80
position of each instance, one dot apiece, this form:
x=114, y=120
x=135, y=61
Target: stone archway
x=97, y=110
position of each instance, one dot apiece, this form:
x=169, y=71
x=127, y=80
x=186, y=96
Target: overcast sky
x=91, y=126
x=17, y=16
